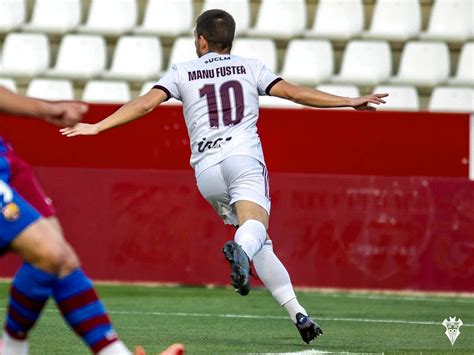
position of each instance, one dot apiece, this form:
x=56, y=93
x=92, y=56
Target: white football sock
x=277, y=280
x=116, y=348
x=293, y=307
x=12, y=346
x=250, y=236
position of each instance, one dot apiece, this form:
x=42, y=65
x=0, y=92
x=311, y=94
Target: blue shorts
x=15, y=213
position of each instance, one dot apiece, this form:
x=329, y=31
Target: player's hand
x=80, y=129
x=65, y=114
x=362, y=103
x=73, y=112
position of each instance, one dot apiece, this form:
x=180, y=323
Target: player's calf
x=75, y=295
x=28, y=294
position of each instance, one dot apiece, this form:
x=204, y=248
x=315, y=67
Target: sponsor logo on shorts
x=11, y=212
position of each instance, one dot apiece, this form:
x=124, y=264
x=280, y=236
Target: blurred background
x=421, y=51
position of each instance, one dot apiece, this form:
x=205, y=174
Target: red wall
x=359, y=200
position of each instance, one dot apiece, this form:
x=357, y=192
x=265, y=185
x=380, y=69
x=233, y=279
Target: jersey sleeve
x=169, y=83
x=265, y=79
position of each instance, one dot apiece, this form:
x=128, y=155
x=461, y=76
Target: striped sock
x=29, y=292
x=83, y=311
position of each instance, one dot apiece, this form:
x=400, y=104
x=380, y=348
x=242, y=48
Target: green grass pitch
x=219, y=321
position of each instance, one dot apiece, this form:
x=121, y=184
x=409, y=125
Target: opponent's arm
x=19, y=105
x=132, y=110
x=57, y=113
x=316, y=98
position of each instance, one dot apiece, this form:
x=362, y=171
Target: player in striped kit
x=51, y=268
x=220, y=94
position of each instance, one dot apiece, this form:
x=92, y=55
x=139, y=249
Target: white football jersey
x=220, y=105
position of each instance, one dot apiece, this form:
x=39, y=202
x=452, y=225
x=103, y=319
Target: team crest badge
x=452, y=328
x=11, y=212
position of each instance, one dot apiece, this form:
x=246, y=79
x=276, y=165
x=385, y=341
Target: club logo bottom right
x=452, y=328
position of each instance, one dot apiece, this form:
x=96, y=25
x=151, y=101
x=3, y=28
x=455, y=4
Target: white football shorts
x=236, y=178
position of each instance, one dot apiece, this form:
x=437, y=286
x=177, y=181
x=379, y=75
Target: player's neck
x=216, y=52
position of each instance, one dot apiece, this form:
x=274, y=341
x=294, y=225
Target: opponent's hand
x=73, y=112
x=362, y=103
x=65, y=114
x=80, y=129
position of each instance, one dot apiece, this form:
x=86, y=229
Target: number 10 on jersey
x=209, y=90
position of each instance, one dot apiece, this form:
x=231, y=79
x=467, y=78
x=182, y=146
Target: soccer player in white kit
x=220, y=94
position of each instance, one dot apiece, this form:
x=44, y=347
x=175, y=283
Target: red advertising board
x=359, y=200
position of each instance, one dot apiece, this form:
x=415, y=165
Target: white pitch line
x=250, y=316
x=371, y=294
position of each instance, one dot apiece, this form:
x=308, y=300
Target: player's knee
x=70, y=262
x=52, y=257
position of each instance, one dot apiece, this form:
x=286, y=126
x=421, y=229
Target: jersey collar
x=209, y=54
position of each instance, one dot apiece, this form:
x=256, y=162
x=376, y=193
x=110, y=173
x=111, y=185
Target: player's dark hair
x=218, y=28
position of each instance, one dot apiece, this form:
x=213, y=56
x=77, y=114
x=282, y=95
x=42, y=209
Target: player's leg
x=31, y=286
x=249, y=188
x=74, y=293
x=48, y=255
x=245, y=180
x=269, y=268
x=85, y=313
x=214, y=189
x=276, y=279
x=253, y=223
x=248, y=240
x=250, y=191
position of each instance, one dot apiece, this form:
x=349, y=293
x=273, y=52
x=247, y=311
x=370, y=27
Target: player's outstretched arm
x=132, y=110
x=60, y=113
x=316, y=98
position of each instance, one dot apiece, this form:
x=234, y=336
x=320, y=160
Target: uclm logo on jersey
x=216, y=59
x=452, y=328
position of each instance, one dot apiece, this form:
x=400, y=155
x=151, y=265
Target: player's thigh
x=213, y=188
x=30, y=235
x=25, y=182
x=39, y=245
x=247, y=179
x=43, y=245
